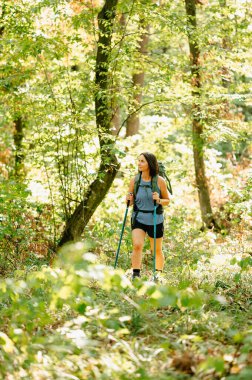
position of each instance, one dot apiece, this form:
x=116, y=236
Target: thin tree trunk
x=19, y=124
x=225, y=70
x=2, y=18
x=104, y=114
x=116, y=118
x=133, y=122
x=197, y=122
x=18, y=138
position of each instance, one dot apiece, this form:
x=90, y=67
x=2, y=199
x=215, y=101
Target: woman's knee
x=137, y=247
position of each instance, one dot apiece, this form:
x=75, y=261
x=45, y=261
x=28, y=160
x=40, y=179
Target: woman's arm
x=164, y=199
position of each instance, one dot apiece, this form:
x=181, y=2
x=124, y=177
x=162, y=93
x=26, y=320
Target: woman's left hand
x=155, y=196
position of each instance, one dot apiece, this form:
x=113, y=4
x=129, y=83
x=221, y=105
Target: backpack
x=163, y=174
x=154, y=183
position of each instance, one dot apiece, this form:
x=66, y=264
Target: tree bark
x=2, y=18
x=104, y=114
x=197, y=122
x=133, y=122
x=116, y=118
x=19, y=124
x=18, y=138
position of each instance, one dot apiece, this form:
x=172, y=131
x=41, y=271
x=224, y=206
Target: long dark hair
x=152, y=162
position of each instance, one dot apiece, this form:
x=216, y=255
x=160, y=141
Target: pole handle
x=128, y=203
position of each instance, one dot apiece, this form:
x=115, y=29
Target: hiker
x=142, y=194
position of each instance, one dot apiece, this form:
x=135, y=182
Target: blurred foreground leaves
x=83, y=320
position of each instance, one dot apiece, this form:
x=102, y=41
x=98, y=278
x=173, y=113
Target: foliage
x=84, y=320
x=50, y=75
x=76, y=317
x=24, y=232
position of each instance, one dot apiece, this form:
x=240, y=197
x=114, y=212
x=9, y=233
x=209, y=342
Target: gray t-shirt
x=144, y=201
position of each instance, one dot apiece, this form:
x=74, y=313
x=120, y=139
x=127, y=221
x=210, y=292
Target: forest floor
x=81, y=319
x=196, y=323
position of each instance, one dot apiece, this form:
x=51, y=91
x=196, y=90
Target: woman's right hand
x=129, y=197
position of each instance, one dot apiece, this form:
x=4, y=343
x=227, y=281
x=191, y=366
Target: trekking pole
x=119, y=245
x=155, y=238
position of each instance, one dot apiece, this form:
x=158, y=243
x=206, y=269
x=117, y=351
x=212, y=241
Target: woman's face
x=142, y=163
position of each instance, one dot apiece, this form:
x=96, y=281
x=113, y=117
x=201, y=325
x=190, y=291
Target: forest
x=86, y=86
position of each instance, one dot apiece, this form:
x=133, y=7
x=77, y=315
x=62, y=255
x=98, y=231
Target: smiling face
x=143, y=165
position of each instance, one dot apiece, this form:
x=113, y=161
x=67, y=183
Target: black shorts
x=150, y=229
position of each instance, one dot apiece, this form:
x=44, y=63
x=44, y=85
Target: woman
x=142, y=216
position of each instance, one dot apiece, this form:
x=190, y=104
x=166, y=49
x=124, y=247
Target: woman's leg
x=159, y=252
x=138, y=236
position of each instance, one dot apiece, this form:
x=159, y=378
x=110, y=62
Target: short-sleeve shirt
x=144, y=201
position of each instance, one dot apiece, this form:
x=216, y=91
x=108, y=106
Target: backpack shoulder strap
x=155, y=188
x=154, y=183
x=137, y=183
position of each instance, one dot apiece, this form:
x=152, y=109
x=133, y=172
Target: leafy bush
x=23, y=237
x=82, y=320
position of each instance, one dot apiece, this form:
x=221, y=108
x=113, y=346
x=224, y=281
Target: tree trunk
x=18, y=122
x=18, y=138
x=2, y=18
x=104, y=114
x=116, y=118
x=197, y=122
x=133, y=122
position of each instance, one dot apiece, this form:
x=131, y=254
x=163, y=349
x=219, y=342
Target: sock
x=136, y=272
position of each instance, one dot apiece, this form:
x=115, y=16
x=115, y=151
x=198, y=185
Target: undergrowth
x=83, y=320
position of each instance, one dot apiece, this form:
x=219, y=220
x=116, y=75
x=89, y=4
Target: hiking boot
x=158, y=278
x=135, y=275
